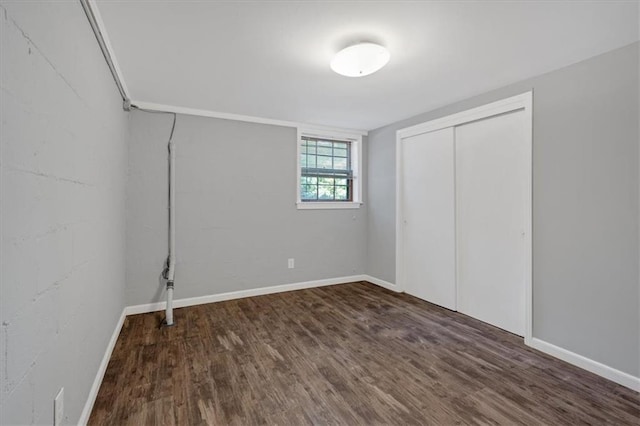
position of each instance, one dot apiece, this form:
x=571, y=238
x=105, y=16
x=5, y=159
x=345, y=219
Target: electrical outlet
x=58, y=408
x=292, y=263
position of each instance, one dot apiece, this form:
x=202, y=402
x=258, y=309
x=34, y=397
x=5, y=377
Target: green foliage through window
x=326, y=173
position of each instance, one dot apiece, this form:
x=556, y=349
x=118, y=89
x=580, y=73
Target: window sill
x=328, y=205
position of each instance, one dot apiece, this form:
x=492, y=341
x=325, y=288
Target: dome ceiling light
x=360, y=59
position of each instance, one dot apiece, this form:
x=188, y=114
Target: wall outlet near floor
x=292, y=263
x=58, y=408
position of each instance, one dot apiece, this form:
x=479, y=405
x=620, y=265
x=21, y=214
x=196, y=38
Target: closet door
x=429, y=217
x=490, y=198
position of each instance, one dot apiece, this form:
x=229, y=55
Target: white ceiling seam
x=246, y=118
x=94, y=17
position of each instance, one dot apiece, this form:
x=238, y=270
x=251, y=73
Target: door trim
x=523, y=102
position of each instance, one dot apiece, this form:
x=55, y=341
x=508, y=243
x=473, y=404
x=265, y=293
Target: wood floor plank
x=345, y=354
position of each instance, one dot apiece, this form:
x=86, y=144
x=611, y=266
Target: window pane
x=325, y=162
x=303, y=161
x=341, y=192
x=325, y=151
x=325, y=181
x=325, y=192
x=325, y=144
x=311, y=161
x=341, y=182
x=339, y=152
x=309, y=192
x=340, y=145
x=311, y=148
x=340, y=163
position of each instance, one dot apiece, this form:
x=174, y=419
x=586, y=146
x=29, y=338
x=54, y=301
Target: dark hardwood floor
x=345, y=354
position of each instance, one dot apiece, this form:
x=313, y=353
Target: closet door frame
x=522, y=102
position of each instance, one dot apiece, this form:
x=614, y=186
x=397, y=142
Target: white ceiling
x=271, y=59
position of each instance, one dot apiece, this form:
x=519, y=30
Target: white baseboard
x=212, y=298
x=595, y=367
x=93, y=393
x=382, y=283
x=617, y=376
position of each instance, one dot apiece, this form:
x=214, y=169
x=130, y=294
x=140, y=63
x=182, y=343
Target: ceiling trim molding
x=238, y=117
x=102, y=34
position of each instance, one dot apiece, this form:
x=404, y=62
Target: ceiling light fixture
x=360, y=59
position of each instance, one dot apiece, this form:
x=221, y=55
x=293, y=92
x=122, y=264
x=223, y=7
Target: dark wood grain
x=345, y=354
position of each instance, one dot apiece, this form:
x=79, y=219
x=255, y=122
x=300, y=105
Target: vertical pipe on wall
x=171, y=261
x=168, y=273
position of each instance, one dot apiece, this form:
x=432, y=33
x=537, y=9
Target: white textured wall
x=236, y=218
x=63, y=170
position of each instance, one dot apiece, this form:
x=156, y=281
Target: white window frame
x=356, y=166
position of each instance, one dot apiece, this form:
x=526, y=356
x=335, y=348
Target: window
x=328, y=170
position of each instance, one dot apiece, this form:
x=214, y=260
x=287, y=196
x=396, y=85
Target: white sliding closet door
x=429, y=217
x=491, y=174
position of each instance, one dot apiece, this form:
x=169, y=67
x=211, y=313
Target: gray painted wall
x=585, y=208
x=63, y=150
x=236, y=219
